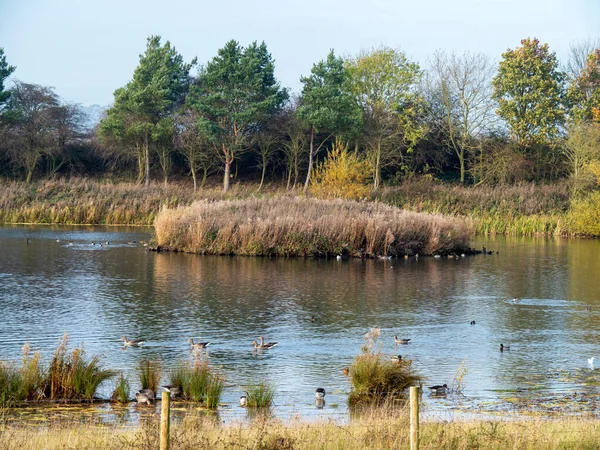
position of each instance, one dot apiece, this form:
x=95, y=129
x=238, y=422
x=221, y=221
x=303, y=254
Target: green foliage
x=529, y=89
x=260, y=395
x=10, y=385
x=326, y=104
x=584, y=216
x=582, y=150
x=199, y=382
x=5, y=72
x=149, y=373
x=375, y=378
x=122, y=390
x=384, y=83
x=236, y=94
x=342, y=175
x=584, y=91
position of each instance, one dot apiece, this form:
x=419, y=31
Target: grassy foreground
x=295, y=226
x=367, y=433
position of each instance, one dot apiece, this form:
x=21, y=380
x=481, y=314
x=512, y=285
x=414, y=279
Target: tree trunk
x=310, y=158
x=377, y=178
x=226, y=175
x=194, y=178
x=461, y=160
x=204, y=176
x=147, y=159
x=262, y=177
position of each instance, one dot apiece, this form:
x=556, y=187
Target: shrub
x=199, y=382
x=584, y=217
x=260, y=395
x=342, y=175
x=149, y=373
x=375, y=378
x=121, y=393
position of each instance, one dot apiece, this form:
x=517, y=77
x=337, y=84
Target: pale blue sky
x=86, y=49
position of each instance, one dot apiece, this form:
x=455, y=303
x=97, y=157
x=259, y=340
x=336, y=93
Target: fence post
x=414, y=418
x=165, y=422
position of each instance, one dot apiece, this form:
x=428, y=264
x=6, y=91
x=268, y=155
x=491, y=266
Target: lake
x=63, y=281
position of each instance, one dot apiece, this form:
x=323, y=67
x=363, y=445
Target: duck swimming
x=132, y=343
x=401, y=341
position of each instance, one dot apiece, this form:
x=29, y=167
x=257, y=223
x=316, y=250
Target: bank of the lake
x=523, y=209
x=380, y=431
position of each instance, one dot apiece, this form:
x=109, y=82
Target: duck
x=473, y=322
x=320, y=403
x=438, y=389
x=338, y=257
x=346, y=371
x=397, y=358
x=145, y=396
x=516, y=300
x=401, y=341
x=243, y=401
x=320, y=393
x=132, y=343
x=198, y=345
x=504, y=347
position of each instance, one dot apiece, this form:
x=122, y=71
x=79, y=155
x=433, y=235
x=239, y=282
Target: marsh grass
x=375, y=431
x=10, y=385
x=122, y=390
x=149, y=374
x=260, y=395
x=199, y=382
x=295, y=226
x=375, y=379
x=73, y=376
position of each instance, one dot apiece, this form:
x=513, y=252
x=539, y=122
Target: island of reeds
x=295, y=226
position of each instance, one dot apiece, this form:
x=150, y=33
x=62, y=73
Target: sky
x=86, y=49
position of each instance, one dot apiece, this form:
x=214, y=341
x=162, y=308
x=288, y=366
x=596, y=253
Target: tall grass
x=122, y=390
x=73, y=376
x=375, y=378
x=149, y=374
x=293, y=226
x=260, y=395
x=199, y=382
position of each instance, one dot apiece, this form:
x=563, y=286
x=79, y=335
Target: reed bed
x=380, y=431
x=199, y=382
x=294, y=226
x=149, y=374
x=260, y=395
x=122, y=392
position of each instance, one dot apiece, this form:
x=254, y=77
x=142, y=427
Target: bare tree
x=578, y=53
x=294, y=142
x=458, y=90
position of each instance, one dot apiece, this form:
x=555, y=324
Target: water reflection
x=318, y=311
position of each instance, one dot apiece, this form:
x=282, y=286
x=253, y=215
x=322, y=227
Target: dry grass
x=293, y=226
x=375, y=431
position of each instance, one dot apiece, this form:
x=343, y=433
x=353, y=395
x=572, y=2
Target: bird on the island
x=504, y=347
x=198, y=345
x=401, y=341
x=132, y=343
x=320, y=393
x=145, y=396
x=438, y=389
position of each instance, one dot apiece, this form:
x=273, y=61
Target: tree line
x=461, y=117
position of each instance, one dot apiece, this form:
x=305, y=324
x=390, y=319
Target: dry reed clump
x=294, y=226
x=377, y=430
x=199, y=382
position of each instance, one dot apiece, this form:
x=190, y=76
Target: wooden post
x=165, y=422
x=414, y=418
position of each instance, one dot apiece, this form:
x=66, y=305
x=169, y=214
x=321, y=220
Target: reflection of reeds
x=375, y=378
x=149, y=373
x=260, y=395
x=198, y=382
x=305, y=227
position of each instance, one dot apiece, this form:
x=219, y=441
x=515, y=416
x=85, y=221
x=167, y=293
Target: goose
x=438, y=389
x=504, y=347
x=198, y=345
x=266, y=346
x=132, y=343
x=401, y=341
x=320, y=393
x=145, y=396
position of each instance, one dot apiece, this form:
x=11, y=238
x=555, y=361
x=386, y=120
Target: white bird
x=244, y=400
x=591, y=362
x=338, y=257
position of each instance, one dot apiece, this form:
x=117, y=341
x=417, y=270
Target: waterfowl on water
x=198, y=345
x=591, y=361
x=346, y=371
x=263, y=345
x=516, y=300
x=320, y=393
x=145, y=396
x=401, y=341
x=243, y=401
x=504, y=347
x=397, y=358
x=438, y=389
x=472, y=322
x=338, y=257
x=132, y=343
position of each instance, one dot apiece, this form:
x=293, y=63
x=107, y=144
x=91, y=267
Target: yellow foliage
x=594, y=168
x=342, y=175
x=584, y=216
